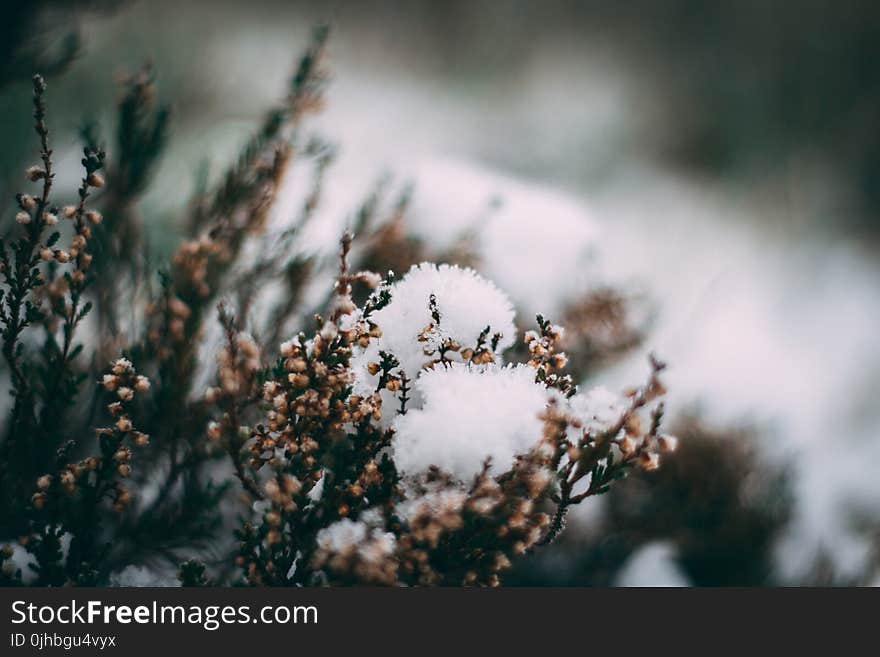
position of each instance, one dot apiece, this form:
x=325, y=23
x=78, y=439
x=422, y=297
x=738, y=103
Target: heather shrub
x=251, y=411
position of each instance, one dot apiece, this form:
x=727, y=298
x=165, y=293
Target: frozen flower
x=470, y=414
x=465, y=303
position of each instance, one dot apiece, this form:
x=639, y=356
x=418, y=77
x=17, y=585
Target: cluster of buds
x=281, y=491
x=307, y=401
x=115, y=441
x=125, y=383
x=487, y=526
x=599, y=457
x=237, y=364
x=93, y=162
x=546, y=358
x=29, y=209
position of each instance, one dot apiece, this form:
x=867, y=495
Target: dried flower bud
x=121, y=366
x=38, y=500
x=633, y=425
x=668, y=444
x=109, y=382
x=141, y=383
x=46, y=255
x=298, y=380
x=95, y=179
x=649, y=461
x=44, y=482
x=125, y=393
x=627, y=446
x=50, y=218
x=68, y=479
x=23, y=217
x=124, y=469
x=35, y=173
x=214, y=430
x=123, y=424
x=329, y=331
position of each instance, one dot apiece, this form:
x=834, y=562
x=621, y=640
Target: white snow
x=467, y=304
x=469, y=414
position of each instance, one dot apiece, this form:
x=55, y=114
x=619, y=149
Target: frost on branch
x=433, y=463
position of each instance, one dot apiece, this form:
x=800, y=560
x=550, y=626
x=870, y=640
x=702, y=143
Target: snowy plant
x=470, y=413
x=449, y=310
x=353, y=427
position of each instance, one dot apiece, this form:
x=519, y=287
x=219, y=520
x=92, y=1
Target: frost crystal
x=470, y=413
x=466, y=304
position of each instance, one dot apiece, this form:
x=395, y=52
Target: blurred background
x=725, y=157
